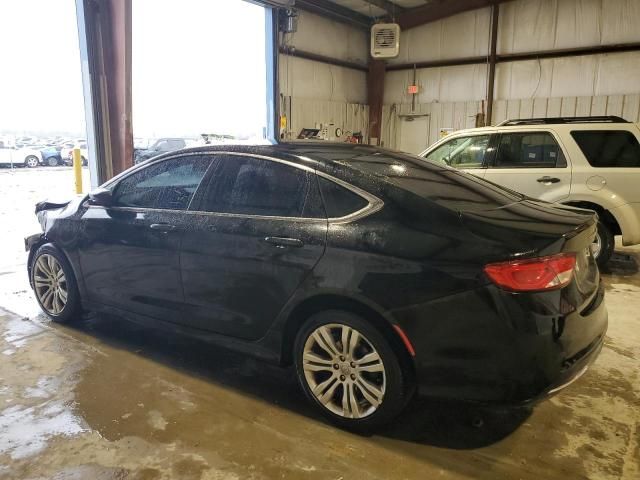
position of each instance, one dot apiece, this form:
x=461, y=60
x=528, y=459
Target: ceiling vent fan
x=385, y=40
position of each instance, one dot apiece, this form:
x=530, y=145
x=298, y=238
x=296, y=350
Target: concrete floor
x=106, y=399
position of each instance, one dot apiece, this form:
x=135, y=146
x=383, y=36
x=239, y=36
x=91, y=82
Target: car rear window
x=608, y=148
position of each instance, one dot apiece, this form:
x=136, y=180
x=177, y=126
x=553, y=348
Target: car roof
x=320, y=155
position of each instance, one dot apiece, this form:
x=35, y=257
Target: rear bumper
x=504, y=348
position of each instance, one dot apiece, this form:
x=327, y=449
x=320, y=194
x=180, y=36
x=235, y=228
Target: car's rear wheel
x=84, y=162
x=349, y=370
x=52, y=161
x=54, y=284
x=603, y=244
x=31, y=161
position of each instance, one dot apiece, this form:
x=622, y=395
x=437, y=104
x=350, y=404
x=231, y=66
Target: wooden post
x=375, y=94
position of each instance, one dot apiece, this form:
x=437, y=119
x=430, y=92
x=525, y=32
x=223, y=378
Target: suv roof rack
x=556, y=120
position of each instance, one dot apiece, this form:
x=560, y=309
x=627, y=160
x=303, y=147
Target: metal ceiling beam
x=519, y=57
x=335, y=12
x=391, y=8
x=438, y=9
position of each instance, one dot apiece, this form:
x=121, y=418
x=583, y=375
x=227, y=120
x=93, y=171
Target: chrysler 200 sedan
x=373, y=272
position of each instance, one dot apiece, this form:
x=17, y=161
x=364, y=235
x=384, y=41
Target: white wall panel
x=530, y=25
x=314, y=93
x=332, y=39
x=303, y=78
x=626, y=106
x=446, y=84
x=590, y=75
x=459, y=36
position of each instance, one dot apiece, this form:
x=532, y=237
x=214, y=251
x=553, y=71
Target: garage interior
x=106, y=398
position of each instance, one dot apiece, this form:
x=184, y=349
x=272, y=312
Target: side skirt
x=254, y=349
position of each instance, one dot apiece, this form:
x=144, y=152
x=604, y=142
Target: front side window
x=461, y=152
x=608, y=148
x=254, y=186
x=169, y=184
x=529, y=150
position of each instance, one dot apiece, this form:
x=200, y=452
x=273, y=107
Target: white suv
x=587, y=162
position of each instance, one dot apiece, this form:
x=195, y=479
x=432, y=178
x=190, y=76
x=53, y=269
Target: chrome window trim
x=374, y=204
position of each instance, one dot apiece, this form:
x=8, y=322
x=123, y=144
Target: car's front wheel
x=52, y=161
x=54, y=284
x=349, y=371
x=31, y=161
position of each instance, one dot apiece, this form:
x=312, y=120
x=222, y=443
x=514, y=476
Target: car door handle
x=547, y=179
x=162, y=227
x=282, y=242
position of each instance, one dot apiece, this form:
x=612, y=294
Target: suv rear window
x=608, y=148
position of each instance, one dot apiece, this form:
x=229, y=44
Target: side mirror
x=101, y=197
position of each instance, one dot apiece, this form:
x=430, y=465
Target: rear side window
x=608, y=148
x=169, y=184
x=254, y=186
x=529, y=150
x=339, y=201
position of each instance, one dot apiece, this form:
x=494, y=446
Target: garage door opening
x=199, y=74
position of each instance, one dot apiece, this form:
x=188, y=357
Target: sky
x=198, y=66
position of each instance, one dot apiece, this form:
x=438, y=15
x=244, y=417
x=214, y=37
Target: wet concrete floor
x=107, y=399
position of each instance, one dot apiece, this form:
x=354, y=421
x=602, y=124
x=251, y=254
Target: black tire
x=72, y=307
x=52, y=162
x=85, y=162
x=398, y=378
x=607, y=242
x=31, y=161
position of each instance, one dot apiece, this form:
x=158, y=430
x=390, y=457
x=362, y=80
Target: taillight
x=535, y=274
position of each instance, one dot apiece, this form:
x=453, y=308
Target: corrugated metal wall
x=586, y=85
x=312, y=92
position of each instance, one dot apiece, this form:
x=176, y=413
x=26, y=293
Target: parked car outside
x=373, y=272
x=67, y=153
x=50, y=156
x=160, y=146
x=586, y=162
x=19, y=156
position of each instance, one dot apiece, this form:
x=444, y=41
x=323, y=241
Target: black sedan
x=375, y=273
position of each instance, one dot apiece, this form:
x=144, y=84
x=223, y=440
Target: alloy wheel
x=32, y=161
x=344, y=371
x=596, y=246
x=50, y=284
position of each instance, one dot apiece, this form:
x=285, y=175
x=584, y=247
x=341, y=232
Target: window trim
x=498, y=136
x=374, y=204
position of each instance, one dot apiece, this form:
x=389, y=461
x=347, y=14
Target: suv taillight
x=535, y=274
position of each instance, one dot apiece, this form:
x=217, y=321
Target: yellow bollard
x=77, y=169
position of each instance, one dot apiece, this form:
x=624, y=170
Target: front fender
x=31, y=244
